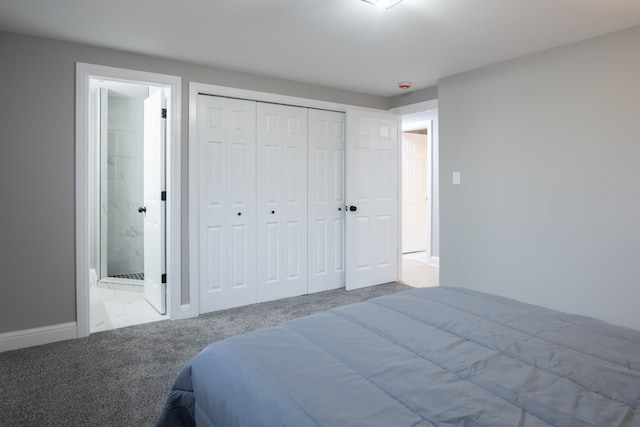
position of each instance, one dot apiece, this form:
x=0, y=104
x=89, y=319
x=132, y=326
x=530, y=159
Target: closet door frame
x=190, y=296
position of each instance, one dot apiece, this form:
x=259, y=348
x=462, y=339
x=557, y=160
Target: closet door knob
x=272, y=212
x=353, y=208
x=142, y=209
x=339, y=209
x=239, y=213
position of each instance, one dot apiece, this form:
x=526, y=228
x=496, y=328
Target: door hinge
x=164, y=278
x=163, y=196
x=164, y=113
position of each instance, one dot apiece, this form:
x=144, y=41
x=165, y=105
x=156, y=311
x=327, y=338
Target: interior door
x=154, y=207
x=227, y=182
x=282, y=201
x=326, y=162
x=372, y=199
x=414, y=192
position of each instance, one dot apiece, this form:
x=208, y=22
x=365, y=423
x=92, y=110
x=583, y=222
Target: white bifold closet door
x=326, y=163
x=275, y=218
x=414, y=193
x=282, y=201
x=227, y=206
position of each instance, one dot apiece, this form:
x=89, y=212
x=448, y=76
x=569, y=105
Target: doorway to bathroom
x=162, y=276
x=127, y=190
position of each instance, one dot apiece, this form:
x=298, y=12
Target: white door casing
x=84, y=73
x=414, y=192
x=282, y=201
x=104, y=194
x=154, y=217
x=372, y=197
x=326, y=163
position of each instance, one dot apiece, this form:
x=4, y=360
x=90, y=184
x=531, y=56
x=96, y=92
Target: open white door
x=154, y=207
x=372, y=199
x=414, y=193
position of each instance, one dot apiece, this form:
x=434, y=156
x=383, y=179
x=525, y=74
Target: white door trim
x=84, y=72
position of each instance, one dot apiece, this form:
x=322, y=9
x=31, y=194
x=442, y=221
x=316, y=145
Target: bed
x=439, y=356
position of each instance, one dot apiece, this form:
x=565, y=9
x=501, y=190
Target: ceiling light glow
x=383, y=3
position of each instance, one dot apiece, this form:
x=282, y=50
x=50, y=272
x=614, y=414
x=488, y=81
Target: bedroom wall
x=37, y=249
x=548, y=209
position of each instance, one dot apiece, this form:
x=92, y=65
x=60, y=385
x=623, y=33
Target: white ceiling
x=346, y=44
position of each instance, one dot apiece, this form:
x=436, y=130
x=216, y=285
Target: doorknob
x=142, y=209
x=353, y=208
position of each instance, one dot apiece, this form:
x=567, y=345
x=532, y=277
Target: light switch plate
x=456, y=177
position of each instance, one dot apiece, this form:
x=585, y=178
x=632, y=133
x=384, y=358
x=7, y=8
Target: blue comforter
x=424, y=357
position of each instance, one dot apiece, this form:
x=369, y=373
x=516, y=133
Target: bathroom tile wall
x=125, y=246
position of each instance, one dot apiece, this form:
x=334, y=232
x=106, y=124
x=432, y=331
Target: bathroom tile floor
x=114, y=308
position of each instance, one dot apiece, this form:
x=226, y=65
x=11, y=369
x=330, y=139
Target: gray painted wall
x=37, y=248
x=548, y=210
x=414, y=97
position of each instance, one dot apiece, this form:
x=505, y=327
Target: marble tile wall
x=124, y=194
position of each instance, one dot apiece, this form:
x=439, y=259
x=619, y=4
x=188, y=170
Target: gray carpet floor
x=121, y=377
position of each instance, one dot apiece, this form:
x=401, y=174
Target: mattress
x=439, y=356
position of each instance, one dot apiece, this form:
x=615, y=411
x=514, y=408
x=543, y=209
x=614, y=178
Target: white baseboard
x=37, y=336
x=435, y=261
x=185, y=311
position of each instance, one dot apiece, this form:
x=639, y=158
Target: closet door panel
x=213, y=222
x=242, y=195
x=240, y=264
x=282, y=201
x=319, y=264
x=338, y=255
x=271, y=253
x=293, y=250
x=216, y=259
x=227, y=150
x=273, y=181
x=326, y=200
